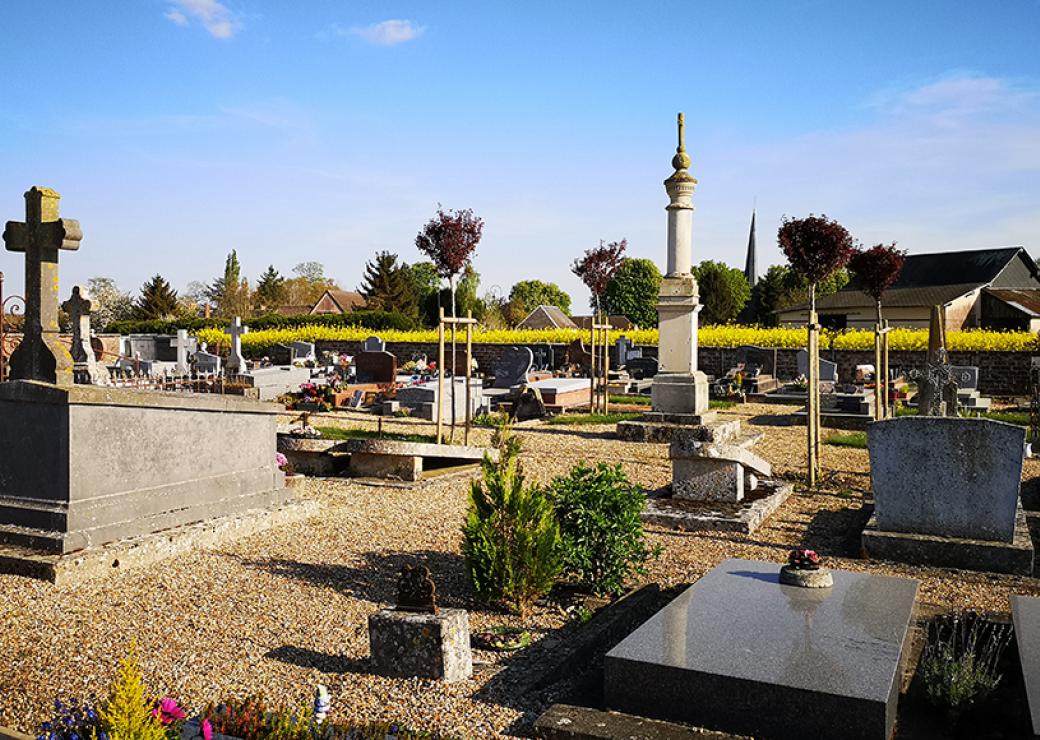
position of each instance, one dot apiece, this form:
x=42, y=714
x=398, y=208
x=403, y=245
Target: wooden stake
x=440, y=374
x=469, y=372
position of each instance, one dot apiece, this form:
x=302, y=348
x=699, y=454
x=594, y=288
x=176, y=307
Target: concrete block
x=413, y=644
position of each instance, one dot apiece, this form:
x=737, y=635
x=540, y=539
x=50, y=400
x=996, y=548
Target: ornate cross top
x=681, y=160
x=41, y=356
x=78, y=308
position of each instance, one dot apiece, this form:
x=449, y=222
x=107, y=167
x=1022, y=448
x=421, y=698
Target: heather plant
x=601, y=531
x=511, y=540
x=960, y=661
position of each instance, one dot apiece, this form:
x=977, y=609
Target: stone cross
x=41, y=355
x=236, y=363
x=181, y=344
x=78, y=308
x=937, y=395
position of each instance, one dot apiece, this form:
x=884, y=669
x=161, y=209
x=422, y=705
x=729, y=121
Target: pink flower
x=168, y=711
x=207, y=730
x=280, y=459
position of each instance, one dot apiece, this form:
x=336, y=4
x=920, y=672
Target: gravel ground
x=284, y=610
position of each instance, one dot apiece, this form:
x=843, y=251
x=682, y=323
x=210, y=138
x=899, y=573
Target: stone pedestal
x=415, y=644
x=679, y=387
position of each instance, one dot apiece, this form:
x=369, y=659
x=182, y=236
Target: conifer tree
x=387, y=286
x=125, y=715
x=158, y=300
x=269, y=289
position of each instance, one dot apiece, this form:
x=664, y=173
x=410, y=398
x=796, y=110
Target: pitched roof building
x=547, y=317
x=982, y=288
x=334, y=300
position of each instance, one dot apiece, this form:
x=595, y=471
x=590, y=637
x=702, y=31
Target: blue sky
x=177, y=130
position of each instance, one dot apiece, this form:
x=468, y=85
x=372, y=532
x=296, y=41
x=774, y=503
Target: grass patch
x=575, y=419
x=1019, y=418
x=339, y=433
x=848, y=439
x=632, y=400
x=718, y=403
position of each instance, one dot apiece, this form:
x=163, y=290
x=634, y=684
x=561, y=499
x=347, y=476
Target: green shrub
x=959, y=661
x=511, y=540
x=600, y=526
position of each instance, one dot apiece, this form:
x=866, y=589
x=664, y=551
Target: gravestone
x=761, y=358
x=207, y=363
x=1025, y=612
x=946, y=492
x=184, y=346
x=78, y=308
x=513, y=367
x=375, y=367
x=373, y=344
x=622, y=347
x=968, y=397
x=41, y=354
x=280, y=354
x=544, y=357
x=236, y=363
x=741, y=653
x=303, y=351
x=640, y=368
x=422, y=399
x=828, y=369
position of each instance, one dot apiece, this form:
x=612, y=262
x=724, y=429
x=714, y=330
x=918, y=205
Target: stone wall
x=1000, y=373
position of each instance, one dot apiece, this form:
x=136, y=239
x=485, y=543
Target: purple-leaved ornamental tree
x=449, y=239
x=816, y=247
x=598, y=265
x=875, y=270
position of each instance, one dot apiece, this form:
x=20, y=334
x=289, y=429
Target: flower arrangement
x=314, y=395
x=73, y=720
x=801, y=559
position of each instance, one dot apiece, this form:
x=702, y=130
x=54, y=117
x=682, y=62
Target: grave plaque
x=513, y=367
x=374, y=344
x=375, y=367
x=741, y=653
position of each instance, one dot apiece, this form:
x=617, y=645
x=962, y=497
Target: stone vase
x=806, y=578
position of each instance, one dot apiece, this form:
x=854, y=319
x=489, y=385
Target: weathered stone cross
x=236, y=363
x=78, y=309
x=41, y=355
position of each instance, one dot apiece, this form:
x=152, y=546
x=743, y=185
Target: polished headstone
x=828, y=369
x=946, y=476
x=513, y=367
x=642, y=367
x=740, y=652
x=1025, y=612
x=376, y=367
x=374, y=344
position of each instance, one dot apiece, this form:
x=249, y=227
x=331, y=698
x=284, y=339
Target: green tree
x=388, y=286
x=230, y=292
x=633, y=291
x=269, y=289
x=781, y=287
x=527, y=295
x=466, y=298
x=108, y=302
x=158, y=300
x=724, y=291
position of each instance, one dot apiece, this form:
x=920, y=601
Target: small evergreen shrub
x=960, y=660
x=511, y=540
x=127, y=714
x=599, y=509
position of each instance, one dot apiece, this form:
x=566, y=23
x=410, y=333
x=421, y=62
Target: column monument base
x=680, y=393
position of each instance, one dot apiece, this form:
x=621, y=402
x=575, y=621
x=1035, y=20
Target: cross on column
x=41, y=355
x=236, y=362
x=183, y=346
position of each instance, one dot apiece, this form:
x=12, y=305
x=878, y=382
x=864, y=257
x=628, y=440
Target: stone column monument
x=680, y=390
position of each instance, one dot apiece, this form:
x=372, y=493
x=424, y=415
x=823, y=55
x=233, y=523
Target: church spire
x=750, y=270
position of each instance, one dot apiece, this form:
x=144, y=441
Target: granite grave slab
x=739, y=652
x=1025, y=613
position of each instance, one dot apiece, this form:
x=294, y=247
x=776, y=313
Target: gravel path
x=281, y=611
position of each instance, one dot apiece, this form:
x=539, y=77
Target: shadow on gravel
x=323, y=662
x=837, y=533
x=567, y=664
x=375, y=578
x=771, y=420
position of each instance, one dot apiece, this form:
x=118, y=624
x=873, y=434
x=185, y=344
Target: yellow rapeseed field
x=710, y=336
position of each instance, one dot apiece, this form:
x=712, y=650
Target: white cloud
x=386, y=33
x=216, y=18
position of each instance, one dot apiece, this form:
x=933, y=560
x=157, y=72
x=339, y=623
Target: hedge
x=709, y=336
x=371, y=320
